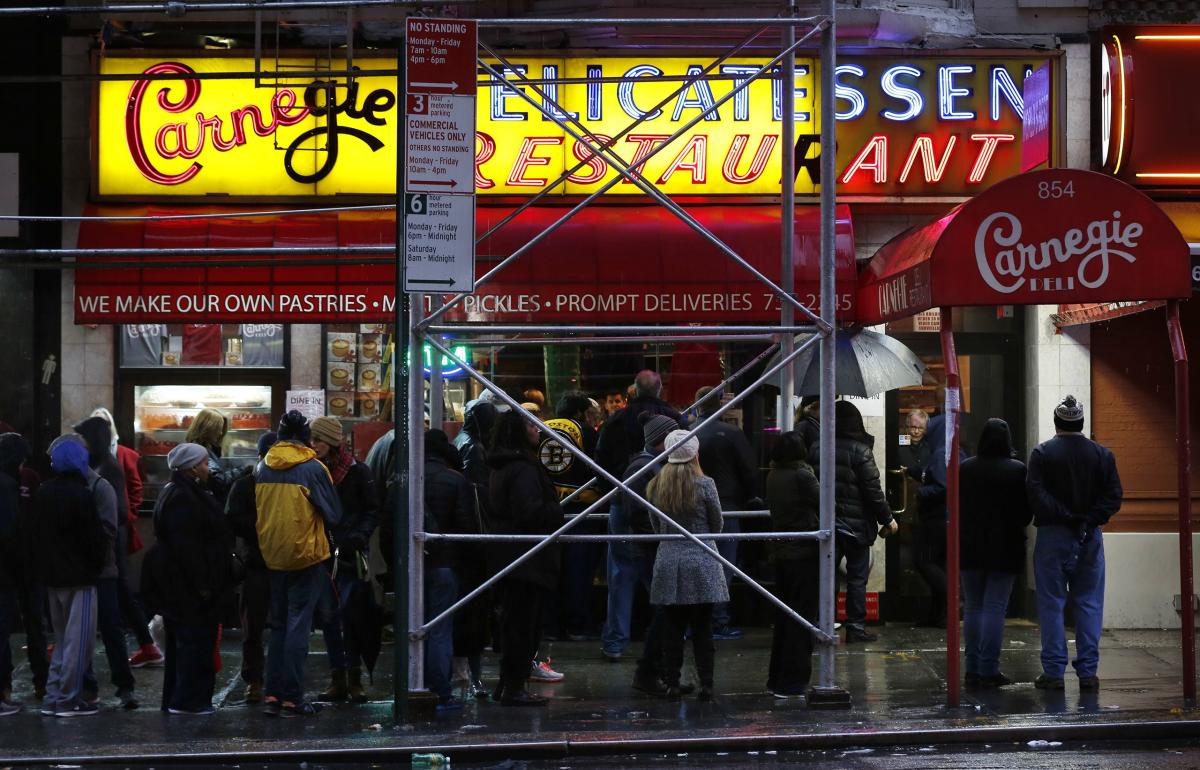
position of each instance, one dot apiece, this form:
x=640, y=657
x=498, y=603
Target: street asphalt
x=897, y=685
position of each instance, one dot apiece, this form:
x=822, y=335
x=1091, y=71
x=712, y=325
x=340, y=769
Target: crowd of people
x=291, y=539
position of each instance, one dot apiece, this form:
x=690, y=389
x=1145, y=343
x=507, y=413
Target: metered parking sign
x=439, y=242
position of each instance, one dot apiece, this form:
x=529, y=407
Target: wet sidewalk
x=897, y=684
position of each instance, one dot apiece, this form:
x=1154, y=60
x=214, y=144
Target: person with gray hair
x=621, y=436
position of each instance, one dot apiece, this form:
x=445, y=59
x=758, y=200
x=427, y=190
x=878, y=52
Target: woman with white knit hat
x=687, y=581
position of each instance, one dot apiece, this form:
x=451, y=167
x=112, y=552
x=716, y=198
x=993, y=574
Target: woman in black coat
x=862, y=510
x=521, y=501
x=196, y=559
x=994, y=514
x=793, y=498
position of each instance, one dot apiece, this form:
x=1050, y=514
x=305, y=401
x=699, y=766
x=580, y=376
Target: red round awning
x=1047, y=237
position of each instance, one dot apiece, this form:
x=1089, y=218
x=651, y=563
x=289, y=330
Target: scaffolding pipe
x=826, y=688
x=738, y=87
x=724, y=514
x=503, y=343
x=633, y=538
x=787, y=269
x=623, y=486
x=1183, y=449
x=467, y=328
x=175, y=9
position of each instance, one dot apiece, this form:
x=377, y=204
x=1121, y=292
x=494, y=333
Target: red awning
x=621, y=263
x=1047, y=237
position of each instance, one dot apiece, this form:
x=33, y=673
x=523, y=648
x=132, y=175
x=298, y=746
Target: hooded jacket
x=189, y=525
x=67, y=545
x=993, y=505
x=296, y=500
x=472, y=440
x=522, y=501
x=98, y=435
x=793, y=498
x=859, y=501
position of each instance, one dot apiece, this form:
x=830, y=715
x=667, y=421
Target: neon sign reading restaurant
x=927, y=126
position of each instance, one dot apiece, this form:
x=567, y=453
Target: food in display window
x=341, y=347
x=369, y=405
x=340, y=377
x=369, y=378
x=163, y=413
x=370, y=348
x=341, y=405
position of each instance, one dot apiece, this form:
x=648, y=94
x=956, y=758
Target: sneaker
x=200, y=712
x=147, y=655
x=1046, y=682
x=540, y=671
x=272, y=707
x=288, y=710
x=727, y=634
x=779, y=694
x=125, y=695
x=612, y=656
x=254, y=692
x=46, y=710
x=8, y=708
x=1089, y=683
x=971, y=679
x=79, y=710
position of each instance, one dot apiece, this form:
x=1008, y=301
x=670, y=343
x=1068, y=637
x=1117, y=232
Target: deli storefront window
x=169, y=373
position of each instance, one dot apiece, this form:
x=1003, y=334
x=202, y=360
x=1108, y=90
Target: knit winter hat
x=655, y=427
x=1070, y=410
x=185, y=456
x=73, y=438
x=681, y=451
x=294, y=426
x=328, y=429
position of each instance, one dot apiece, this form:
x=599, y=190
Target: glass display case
x=163, y=413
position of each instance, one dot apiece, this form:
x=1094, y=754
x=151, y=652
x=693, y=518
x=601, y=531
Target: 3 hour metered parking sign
x=439, y=242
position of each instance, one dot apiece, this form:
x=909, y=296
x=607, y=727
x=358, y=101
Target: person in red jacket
x=148, y=653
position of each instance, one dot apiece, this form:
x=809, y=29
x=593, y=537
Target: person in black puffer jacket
x=472, y=441
x=861, y=510
x=241, y=513
x=450, y=503
x=793, y=498
x=355, y=485
x=994, y=514
x=197, y=553
x=521, y=500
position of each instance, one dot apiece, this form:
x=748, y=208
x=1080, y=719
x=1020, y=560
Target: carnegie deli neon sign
x=913, y=126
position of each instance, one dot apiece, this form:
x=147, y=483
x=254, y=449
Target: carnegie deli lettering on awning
x=944, y=125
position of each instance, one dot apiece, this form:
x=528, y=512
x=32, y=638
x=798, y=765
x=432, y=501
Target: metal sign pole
x=826, y=694
x=787, y=274
x=400, y=364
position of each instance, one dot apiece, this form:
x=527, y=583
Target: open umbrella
x=868, y=363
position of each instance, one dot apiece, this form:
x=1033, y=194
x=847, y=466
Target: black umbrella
x=868, y=363
x=364, y=619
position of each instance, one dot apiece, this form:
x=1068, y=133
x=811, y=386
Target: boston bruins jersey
x=566, y=470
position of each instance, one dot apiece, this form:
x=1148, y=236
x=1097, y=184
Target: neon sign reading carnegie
x=916, y=127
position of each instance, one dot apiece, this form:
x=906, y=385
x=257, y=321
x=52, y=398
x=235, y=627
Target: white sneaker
x=540, y=671
x=461, y=672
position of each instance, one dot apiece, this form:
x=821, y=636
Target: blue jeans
x=629, y=565
x=441, y=591
x=985, y=599
x=340, y=643
x=294, y=597
x=1067, y=570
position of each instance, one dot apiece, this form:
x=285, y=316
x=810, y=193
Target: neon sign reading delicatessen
x=949, y=125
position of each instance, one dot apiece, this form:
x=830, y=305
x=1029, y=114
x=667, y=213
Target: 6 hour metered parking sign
x=439, y=242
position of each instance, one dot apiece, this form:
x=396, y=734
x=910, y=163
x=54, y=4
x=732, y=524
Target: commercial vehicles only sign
x=439, y=145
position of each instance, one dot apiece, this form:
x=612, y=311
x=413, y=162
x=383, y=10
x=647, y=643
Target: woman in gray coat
x=687, y=581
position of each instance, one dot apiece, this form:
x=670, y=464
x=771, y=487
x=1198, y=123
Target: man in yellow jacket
x=296, y=500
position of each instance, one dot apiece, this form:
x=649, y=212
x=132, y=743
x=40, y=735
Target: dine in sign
x=933, y=125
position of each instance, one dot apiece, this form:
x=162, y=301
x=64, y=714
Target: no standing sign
x=439, y=180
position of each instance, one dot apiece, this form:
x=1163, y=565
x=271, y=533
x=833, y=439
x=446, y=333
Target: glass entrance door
x=990, y=368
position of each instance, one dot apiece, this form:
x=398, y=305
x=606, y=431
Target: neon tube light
x=1121, y=70
x=1170, y=175
x=1166, y=37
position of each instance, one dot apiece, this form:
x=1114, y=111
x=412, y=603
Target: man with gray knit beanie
x=1074, y=490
